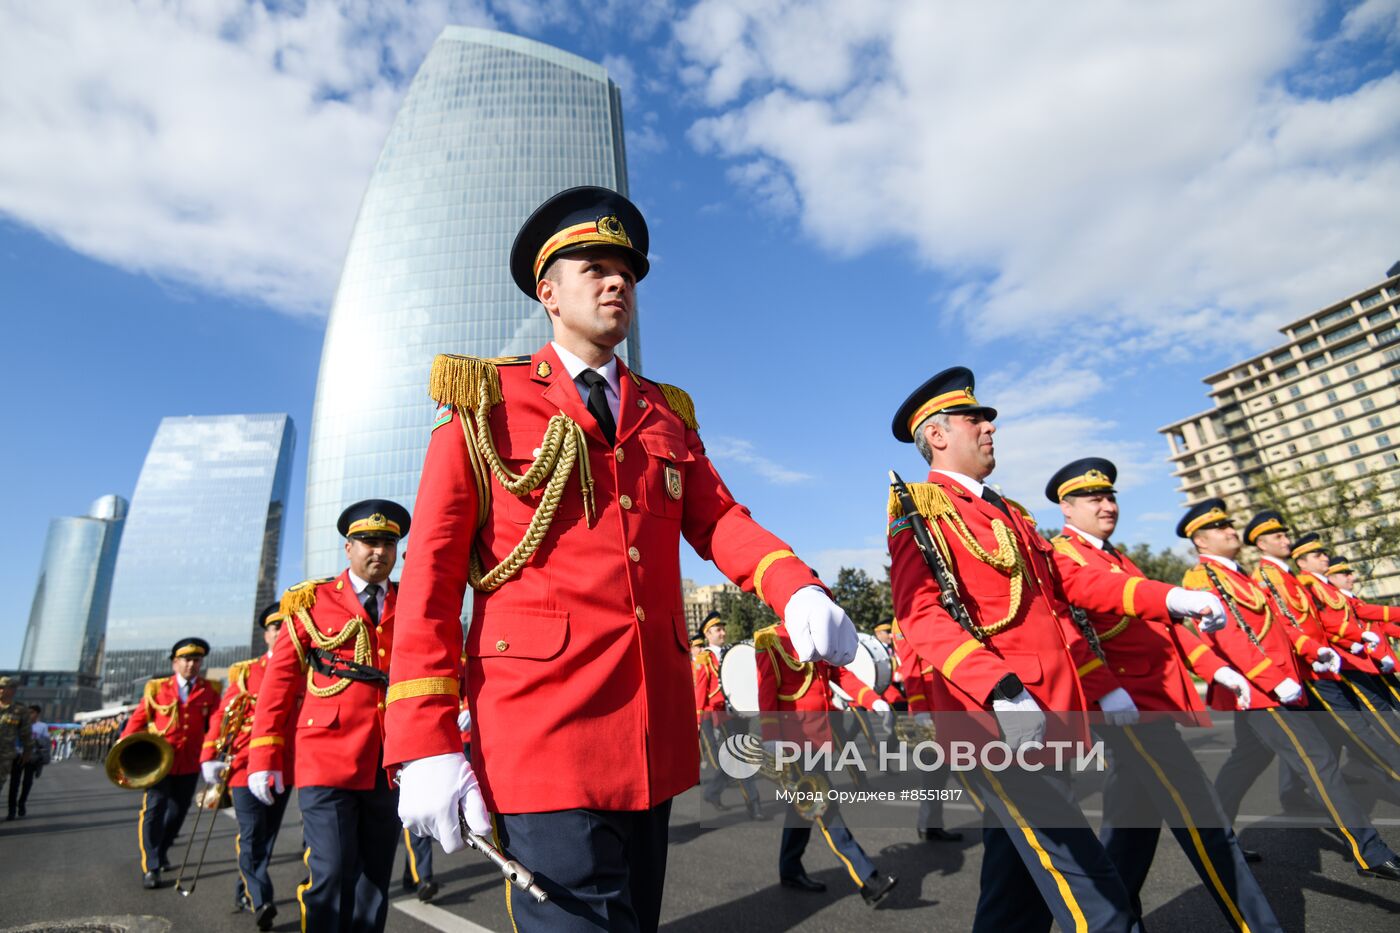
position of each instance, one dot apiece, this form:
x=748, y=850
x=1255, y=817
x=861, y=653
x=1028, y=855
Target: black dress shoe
x=756, y=810
x=166, y=866
x=936, y=834
x=427, y=891
x=22, y=811
x=265, y=915
x=876, y=887
x=1389, y=870
x=409, y=886
x=802, y=883
x=241, y=903
x=150, y=880
x=1251, y=856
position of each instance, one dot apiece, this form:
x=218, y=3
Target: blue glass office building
x=68, y=617
x=492, y=125
x=200, y=549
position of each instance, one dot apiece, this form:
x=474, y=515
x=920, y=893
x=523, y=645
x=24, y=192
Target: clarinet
x=1230, y=604
x=933, y=558
x=1091, y=635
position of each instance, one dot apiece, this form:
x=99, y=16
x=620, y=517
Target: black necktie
x=598, y=403
x=1110, y=549
x=372, y=603
x=992, y=496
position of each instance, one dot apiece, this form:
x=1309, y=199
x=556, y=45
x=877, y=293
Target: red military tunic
x=180, y=724
x=245, y=680
x=1265, y=666
x=577, y=663
x=916, y=673
x=1308, y=635
x=709, y=698
x=334, y=726
x=1342, y=627
x=1012, y=590
x=1384, y=620
x=1145, y=651
x=787, y=685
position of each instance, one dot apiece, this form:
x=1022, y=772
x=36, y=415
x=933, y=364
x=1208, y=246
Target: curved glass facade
x=491, y=126
x=200, y=548
x=68, y=617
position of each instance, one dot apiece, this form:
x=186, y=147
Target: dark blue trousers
x=797, y=832
x=602, y=869
x=257, y=834
x=1356, y=715
x=1155, y=778
x=163, y=809
x=350, y=837
x=1042, y=863
x=417, y=860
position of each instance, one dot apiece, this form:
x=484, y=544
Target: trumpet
x=214, y=796
x=139, y=761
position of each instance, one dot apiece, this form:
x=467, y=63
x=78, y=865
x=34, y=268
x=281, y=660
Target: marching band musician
x=713, y=713
x=802, y=689
x=1385, y=620
x=929, y=822
x=1154, y=776
x=1330, y=671
x=258, y=823
x=894, y=693
x=1010, y=651
x=1259, y=647
x=324, y=689
x=176, y=708
x=559, y=486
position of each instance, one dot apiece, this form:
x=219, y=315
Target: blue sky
x=1092, y=206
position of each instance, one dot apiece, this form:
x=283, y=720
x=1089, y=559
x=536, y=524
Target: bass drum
x=872, y=663
x=738, y=679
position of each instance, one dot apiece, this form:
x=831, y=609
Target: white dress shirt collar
x=183, y=686
x=608, y=371
x=359, y=587
x=973, y=486
x=1280, y=564
x=1222, y=561
x=1092, y=539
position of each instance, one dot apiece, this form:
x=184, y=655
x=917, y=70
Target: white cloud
x=735, y=450
x=1138, y=163
x=870, y=559
x=215, y=142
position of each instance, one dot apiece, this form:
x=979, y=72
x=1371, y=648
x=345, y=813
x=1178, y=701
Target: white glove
x=1371, y=639
x=433, y=791
x=1387, y=664
x=880, y=706
x=262, y=784
x=1020, y=718
x=819, y=629
x=1357, y=647
x=1118, y=708
x=464, y=721
x=1233, y=680
x=923, y=720
x=1288, y=692
x=1328, y=661
x=212, y=771
x=1205, y=608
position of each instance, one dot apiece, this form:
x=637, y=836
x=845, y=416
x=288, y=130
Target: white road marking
x=85, y=767
x=436, y=917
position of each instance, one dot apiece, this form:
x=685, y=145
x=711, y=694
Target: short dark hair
x=36, y=707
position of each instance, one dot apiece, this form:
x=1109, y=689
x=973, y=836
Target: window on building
x=1308, y=424
x=1329, y=475
x=1342, y=333
x=1380, y=317
x=1382, y=440
x=1332, y=396
x=1273, y=399
x=1294, y=391
x=1321, y=459
x=1353, y=450
x=1301, y=407
x=1368, y=404
x=1283, y=430
x=1391, y=458
x=1339, y=415
x=1346, y=430
x=1332, y=317
x=1310, y=344
x=1373, y=422
x=1292, y=449
x=1288, y=373
x=1359, y=387
x=1353, y=369
x=1361, y=468
x=1370, y=301
x=1314, y=442
x=1284, y=356
x=1349, y=349
x=1317, y=362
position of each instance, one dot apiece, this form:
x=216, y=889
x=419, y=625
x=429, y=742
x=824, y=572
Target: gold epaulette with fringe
x=153, y=685
x=1196, y=579
x=679, y=401
x=766, y=638
x=1066, y=547
x=215, y=684
x=929, y=498
x=468, y=382
x=1307, y=579
x=1025, y=512
x=301, y=596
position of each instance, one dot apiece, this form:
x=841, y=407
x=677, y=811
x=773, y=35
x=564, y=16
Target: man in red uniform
x=712, y=710
x=559, y=486
x=914, y=674
x=1385, y=620
x=802, y=691
x=176, y=708
x=1261, y=648
x=324, y=689
x=226, y=758
x=1154, y=777
x=1016, y=654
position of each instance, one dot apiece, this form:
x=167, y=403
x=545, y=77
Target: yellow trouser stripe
x=1196, y=840
x=976, y=800
x=496, y=841
x=1380, y=763
x=1081, y=925
x=1258, y=669
x=847, y=862
x=412, y=860
x=960, y=652
x=305, y=886
x=762, y=568
x=1317, y=785
x=1090, y=666
x=1361, y=695
x=141, y=832
x=238, y=859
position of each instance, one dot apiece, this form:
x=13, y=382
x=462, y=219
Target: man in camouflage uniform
x=16, y=737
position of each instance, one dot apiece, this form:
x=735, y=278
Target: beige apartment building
x=1316, y=410
x=700, y=601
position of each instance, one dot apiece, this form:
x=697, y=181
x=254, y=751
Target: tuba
x=139, y=761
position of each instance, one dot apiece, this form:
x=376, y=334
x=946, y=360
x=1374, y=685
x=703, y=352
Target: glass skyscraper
x=492, y=125
x=68, y=617
x=200, y=549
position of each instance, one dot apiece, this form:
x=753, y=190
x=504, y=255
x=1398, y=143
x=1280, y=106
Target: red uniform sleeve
x=137, y=721
x=861, y=692
x=279, y=699
x=700, y=677
x=425, y=672
x=1232, y=644
x=1199, y=657
x=216, y=723
x=1100, y=590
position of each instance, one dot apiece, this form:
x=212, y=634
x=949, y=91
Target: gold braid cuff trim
x=1257, y=669
x=1066, y=547
x=422, y=687
x=959, y=653
x=465, y=382
x=267, y=740
x=762, y=568
x=1128, y=591
x=1196, y=654
x=679, y=401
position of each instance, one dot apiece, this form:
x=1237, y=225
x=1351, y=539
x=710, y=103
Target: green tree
x=743, y=614
x=865, y=600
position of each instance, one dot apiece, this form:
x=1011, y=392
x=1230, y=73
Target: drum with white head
x=738, y=679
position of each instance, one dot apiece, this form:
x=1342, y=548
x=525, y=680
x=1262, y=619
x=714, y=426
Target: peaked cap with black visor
x=948, y=392
x=576, y=219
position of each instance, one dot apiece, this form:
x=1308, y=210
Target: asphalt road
x=74, y=856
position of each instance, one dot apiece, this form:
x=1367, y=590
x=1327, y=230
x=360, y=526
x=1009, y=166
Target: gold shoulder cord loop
x=564, y=446
x=171, y=709
x=355, y=628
